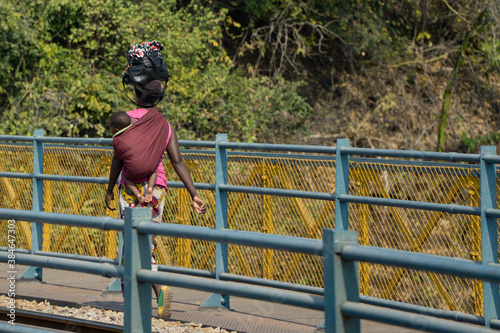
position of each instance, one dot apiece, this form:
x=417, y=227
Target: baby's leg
x=149, y=194
x=140, y=198
x=135, y=191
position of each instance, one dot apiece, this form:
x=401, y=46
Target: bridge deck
x=65, y=288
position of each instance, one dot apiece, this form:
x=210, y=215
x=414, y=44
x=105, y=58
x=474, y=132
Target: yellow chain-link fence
x=415, y=230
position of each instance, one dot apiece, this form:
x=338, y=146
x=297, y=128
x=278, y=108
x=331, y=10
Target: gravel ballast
x=106, y=316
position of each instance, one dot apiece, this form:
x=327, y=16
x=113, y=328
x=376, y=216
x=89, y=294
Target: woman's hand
x=199, y=205
x=110, y=196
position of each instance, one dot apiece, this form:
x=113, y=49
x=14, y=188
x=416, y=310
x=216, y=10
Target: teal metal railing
x=339, y=299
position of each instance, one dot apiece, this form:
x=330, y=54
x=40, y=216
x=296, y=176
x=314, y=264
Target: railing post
x=221, y=257
x=116, y=285
x=33, y=272
x=489, y=241
x=340, y=280
x=341, y=186
x=137, y=295
x=267, y=221
x=475, y=243
x=364, y=239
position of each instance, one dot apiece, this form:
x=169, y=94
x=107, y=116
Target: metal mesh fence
x=453, y=235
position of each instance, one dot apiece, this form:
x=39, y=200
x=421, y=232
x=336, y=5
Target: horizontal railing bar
x=50, y=147
x=101, y=222
x=248, y=238
x=277, y=192
x=91, y=141
x=109, y=141
x=492, y=212
x=495, y=323
x=447, y=208
x=278, y=147
x=76, y=257
x=16, y=175
x=492, y=159
x=198, y=144
x=20, y=138
x=242, y=279
x=231, y=288
x=104, y=269
x=199, y=186
x=452, y=157
x=104, y=148
x=271, y=283
x=186, y=271
x=95, y=180
x=405, y=319
x=421, y=261
x=98, y=150
x=443, y=314
x=94, y=141
x=74, y=179
x=5, y=248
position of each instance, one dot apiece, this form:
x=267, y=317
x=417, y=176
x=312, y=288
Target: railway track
x=56, y=322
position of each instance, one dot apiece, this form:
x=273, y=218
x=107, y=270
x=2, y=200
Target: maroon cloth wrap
x=141, y=146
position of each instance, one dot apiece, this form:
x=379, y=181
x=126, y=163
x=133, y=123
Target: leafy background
x=401, y=74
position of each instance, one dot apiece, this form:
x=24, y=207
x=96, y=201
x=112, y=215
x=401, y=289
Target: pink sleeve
x=137, y=113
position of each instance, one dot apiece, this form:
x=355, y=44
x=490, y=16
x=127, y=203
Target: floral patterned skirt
x=127, y=199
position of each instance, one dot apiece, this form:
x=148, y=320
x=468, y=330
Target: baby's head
x=117, y=121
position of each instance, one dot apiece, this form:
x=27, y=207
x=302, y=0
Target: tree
x=72, y=82
x=478, y=24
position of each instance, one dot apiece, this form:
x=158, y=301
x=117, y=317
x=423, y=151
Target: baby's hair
x=119, y=120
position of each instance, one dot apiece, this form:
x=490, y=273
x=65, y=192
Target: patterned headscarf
x=139, y=50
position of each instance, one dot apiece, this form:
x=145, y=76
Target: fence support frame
x=137, y=295
x=34, y=272
x=341, y=281
x=221, y=254
x=341, y=186
x=489, y=233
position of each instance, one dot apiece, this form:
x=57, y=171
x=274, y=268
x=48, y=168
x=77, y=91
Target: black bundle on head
x=145, y=71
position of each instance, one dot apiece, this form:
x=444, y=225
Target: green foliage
x=254, y=110
x=62, y=59
x=472, y=145
x=61, y=89
x=491, y=48
x=286, y=32
x=65, y=58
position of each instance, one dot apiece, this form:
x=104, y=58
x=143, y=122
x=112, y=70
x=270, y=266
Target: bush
x=64, y=61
